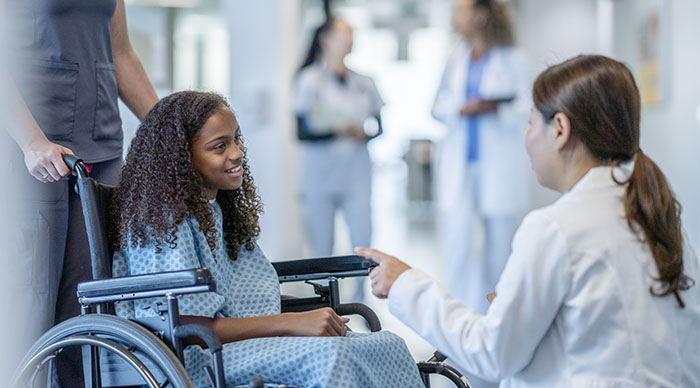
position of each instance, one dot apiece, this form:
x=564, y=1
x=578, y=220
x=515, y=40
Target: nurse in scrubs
x=338, y=112
x=599, y=289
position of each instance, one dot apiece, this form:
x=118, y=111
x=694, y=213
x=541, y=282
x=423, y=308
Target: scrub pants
x=319, y=212
x=477, y=246
x=60, y=258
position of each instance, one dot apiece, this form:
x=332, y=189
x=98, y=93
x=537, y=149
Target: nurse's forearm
x=304, y=133
x=135, y=88
x=43, y=159
x=24, y=130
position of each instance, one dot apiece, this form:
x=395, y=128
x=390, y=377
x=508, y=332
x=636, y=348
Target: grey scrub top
x=339, y=165
x=66, y=74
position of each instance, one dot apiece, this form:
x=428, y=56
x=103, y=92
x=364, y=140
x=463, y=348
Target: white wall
x=551, y=31
x=671, y=131
x=264, y=52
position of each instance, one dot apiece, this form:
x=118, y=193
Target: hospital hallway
x=403, y=52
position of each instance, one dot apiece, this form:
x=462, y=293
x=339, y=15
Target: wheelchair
x=148, y=352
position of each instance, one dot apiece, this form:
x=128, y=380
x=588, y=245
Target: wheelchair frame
x=152, y=348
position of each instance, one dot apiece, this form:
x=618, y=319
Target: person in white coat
x=599, y=289
x=338, y=112
x=482, y=179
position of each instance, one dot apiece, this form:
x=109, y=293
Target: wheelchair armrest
x=146, y=286
x=323, y=267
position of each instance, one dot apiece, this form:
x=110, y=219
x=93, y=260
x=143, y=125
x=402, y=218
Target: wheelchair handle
x=75, y=164
x=213, y=343
x=195, y=330
x=363, y=311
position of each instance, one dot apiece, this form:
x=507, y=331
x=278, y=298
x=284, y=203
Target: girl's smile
x=217, y=153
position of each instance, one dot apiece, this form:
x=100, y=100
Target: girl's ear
x=562, y=130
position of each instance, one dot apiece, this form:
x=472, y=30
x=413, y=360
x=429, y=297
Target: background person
x=482, y=178
x=338, y=112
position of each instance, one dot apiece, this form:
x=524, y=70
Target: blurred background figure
x=338, y=112
x=483, y=99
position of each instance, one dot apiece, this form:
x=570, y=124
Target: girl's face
x=217, y=153
x=337, y=42
x=542, y=149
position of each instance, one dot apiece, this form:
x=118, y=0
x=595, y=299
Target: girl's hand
x=385, y=274
x=316, y=323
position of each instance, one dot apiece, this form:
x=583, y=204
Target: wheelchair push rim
x=91, y=329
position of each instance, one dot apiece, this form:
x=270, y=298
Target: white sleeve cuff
x=402, y=291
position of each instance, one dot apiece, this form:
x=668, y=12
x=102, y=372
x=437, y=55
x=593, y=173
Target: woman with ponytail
x=338, y=113
x=599, y=288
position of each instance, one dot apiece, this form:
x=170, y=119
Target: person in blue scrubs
x=74, y=60
x=482, y=176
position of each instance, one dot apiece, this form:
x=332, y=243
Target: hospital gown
x=249, y=287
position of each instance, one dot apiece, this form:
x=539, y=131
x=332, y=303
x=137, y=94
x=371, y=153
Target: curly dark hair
x=159, y=186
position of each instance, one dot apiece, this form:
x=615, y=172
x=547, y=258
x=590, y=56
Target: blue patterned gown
x=249, y=287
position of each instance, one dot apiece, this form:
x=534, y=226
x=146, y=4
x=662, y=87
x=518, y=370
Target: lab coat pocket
x=108, y=125
x=49, y=89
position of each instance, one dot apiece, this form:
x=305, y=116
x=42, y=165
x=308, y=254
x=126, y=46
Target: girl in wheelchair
x=186, y=200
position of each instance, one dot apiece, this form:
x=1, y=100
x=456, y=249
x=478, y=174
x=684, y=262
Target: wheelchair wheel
x=117, y=336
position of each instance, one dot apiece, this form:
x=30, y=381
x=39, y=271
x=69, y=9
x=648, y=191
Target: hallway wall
x=671, y=130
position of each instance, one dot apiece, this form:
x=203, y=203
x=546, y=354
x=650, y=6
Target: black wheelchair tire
x=121, y=331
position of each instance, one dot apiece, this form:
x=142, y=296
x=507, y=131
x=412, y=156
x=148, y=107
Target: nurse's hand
x=385, y=273
x=353, y=130
x=44, y=160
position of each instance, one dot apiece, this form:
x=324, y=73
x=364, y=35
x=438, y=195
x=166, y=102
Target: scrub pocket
x=49, y=89
x=108, y=124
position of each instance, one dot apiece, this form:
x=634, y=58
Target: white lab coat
x=480, y=203
x=573, y=306
x=503, y=163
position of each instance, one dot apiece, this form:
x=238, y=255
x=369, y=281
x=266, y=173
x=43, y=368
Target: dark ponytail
x=601, y=99
x=315, y=49
x=651, y=206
